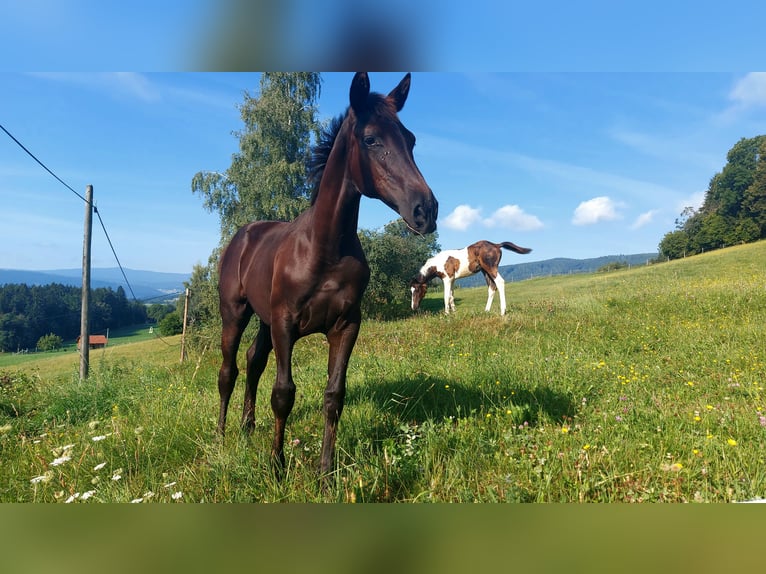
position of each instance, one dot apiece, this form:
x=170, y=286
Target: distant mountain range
x=150, y=286
x=558, y=266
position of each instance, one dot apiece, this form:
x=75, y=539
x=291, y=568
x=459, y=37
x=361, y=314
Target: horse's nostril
x=418, y=212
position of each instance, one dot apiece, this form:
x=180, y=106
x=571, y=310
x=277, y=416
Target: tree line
x=30, y=313
x=734, y=208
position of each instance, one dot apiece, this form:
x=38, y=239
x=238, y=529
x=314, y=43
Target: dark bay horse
x=453, y=264
x=308, y=276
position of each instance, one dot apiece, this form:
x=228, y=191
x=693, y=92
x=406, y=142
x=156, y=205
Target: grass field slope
x=640, y=385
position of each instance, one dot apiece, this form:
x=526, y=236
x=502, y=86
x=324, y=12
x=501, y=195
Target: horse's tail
x=514, y=247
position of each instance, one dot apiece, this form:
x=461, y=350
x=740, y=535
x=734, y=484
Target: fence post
x=183, y=333
x=85, y=310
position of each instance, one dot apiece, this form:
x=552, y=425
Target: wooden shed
x=96, y=341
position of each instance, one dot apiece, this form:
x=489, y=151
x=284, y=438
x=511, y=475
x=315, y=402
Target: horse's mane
x=321, y=152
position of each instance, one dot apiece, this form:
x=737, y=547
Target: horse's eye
x=370, y=141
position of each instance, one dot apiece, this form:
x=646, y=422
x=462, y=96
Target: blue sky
x=569, y=164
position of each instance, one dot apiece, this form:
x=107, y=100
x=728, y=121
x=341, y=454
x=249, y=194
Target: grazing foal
x=308, y=276
x=453, y=264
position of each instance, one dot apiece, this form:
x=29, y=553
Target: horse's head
x=418, y=286
x=386, y=168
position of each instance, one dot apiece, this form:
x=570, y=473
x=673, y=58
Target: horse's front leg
x=341, y=338
x=283, y=393
x=449, y=301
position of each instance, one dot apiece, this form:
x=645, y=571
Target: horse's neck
x=336, y=208
x=430, y=269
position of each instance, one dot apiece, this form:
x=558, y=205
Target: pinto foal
x=453, y=264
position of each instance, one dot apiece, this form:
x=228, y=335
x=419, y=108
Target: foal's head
x=418, y=286
x=385, y=168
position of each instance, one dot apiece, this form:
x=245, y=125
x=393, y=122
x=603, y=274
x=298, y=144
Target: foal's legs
x=341, y=338
x=257, y=357
x=449, y=300
x=283, y=393
x=235, y=318
x=495, y=283
x=500, y=286
x=490, y=291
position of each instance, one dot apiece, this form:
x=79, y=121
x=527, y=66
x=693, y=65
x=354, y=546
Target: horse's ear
x=360, y=89
x=399, y=93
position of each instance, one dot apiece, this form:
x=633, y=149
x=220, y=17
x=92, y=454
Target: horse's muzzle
x=424, y=216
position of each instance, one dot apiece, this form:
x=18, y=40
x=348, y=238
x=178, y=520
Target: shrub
x=49, y=342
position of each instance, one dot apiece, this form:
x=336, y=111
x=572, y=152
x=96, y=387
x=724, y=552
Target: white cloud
x=596, y=210
x=509, y=216
x=513, y=217
x=644, y=219
x=750, y=90
x=462, y=217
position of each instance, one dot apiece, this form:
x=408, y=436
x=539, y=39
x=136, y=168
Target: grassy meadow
x=640, y=385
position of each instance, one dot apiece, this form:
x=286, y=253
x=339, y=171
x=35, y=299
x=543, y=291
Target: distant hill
x=558, y=266
x=147, y=285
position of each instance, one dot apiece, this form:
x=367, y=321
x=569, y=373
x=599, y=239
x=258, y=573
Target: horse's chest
x=346, y=281
x=334, y=294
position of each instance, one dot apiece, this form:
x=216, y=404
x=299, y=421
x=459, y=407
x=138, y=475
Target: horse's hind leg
x=257, y=357
x=495, y=283
x=500, y=286
x=490, y=292
x=234, y=323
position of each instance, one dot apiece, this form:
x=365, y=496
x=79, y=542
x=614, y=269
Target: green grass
x=639, y=385
x=123, y=336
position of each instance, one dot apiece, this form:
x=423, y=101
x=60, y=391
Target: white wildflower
x=99, y=437
x=72, y=498
x=61, y=460
x=169, y=484
x=136, y=500
x=87, y=494
x=42, y=478
x=99, y=466
x=176, y=495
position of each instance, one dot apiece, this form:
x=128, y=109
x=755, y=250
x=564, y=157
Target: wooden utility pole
x=183, y=334
x=85, y=312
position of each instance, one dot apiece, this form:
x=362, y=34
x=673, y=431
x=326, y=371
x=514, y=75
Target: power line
x=45, y=167
x=95, y=209
x=101, y=221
